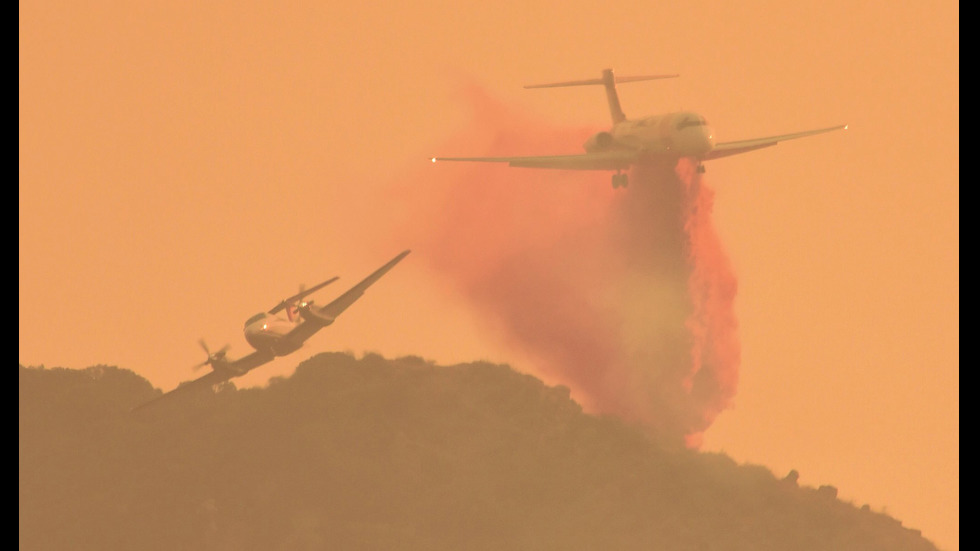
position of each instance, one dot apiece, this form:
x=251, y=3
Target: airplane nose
x=709, y=139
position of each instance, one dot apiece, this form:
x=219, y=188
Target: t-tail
x=609, y=82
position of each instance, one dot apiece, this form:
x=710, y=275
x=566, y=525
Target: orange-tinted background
x=184, y=165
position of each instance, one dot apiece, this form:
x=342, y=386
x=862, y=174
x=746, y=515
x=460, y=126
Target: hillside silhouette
x=376, y=453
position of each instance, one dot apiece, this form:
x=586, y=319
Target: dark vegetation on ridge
x=374, y=453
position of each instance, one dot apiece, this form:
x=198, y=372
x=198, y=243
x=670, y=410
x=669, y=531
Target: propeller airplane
x=272, y=336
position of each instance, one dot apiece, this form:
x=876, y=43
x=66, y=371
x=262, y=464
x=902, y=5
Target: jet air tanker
x=631, y=141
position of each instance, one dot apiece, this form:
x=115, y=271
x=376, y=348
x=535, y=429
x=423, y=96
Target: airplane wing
x=227, y=371
x=318, y=318
x=726, y=149
x=247, y=363
x=619, y=159
x=208, y=380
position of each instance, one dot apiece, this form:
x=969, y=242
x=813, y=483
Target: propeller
x=217, y=356
x=297, y=299
x=292, y=309
x=302, y=293
x=296, y=309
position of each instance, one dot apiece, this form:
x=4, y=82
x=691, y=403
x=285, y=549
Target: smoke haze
x=626, y=296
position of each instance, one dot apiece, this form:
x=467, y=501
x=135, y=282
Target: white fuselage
x=682, y=134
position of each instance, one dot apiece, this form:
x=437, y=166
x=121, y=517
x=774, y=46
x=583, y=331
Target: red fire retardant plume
x=624, y=295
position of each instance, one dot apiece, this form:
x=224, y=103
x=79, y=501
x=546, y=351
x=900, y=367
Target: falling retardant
x=624, y=295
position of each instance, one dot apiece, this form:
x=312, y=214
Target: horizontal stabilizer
x=609, y=81
x=599, y=81
x=302, y=294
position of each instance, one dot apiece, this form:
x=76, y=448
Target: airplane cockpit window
x=691, y=121
x=255, y=318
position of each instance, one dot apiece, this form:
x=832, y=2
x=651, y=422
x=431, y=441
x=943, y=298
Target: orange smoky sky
x=183, y=166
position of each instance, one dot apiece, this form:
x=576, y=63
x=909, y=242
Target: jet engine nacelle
x=599, y=142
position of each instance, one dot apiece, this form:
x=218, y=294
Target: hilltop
x=376, y=453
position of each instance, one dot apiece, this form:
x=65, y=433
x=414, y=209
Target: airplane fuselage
x=265, y=332
x=680, y=134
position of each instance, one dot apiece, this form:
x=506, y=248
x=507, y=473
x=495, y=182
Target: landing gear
x=700, y=168
x=620, y=180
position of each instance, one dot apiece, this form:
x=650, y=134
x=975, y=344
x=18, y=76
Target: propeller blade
x=303, y=292
x=212, y=357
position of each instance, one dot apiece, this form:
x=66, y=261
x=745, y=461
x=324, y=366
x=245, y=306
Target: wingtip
x=398, y=258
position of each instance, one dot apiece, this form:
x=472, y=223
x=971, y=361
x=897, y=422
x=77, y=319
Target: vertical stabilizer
x=609, y=81
x=615, y=111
